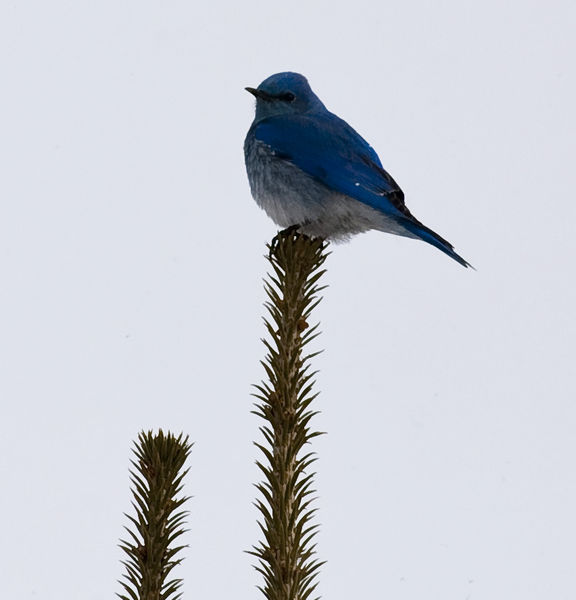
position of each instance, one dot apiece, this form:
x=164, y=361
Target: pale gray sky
x=131, y=258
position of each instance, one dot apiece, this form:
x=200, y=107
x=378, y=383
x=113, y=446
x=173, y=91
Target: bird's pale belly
x=290, y=197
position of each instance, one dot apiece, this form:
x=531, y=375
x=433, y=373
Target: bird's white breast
x=292, y=197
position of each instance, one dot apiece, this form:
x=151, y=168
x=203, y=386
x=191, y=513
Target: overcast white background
x=131, y=258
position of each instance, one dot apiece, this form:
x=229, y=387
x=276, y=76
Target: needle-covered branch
x=157, y=480
x=287, y=552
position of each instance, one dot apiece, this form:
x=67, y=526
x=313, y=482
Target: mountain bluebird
x=309, y=169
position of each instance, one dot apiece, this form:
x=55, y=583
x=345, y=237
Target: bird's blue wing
x=328, y=149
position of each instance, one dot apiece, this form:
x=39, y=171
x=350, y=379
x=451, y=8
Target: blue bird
x=309, y=169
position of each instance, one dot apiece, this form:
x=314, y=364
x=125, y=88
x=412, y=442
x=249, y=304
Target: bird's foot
x=289, y=230
x=294, y=231
x=284, y=233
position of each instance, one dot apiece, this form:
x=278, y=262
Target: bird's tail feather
x=427, y=235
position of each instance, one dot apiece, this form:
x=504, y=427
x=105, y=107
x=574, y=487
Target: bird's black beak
x=259, y=94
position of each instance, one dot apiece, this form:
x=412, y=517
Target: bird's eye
x=288, y=97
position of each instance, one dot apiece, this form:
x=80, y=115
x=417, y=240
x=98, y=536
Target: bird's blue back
x=328, y=149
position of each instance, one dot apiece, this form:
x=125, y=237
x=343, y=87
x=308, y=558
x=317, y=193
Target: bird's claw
x=284, y=233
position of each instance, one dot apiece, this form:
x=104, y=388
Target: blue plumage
x=308, y=167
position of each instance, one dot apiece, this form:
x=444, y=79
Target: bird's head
x=284, y=94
